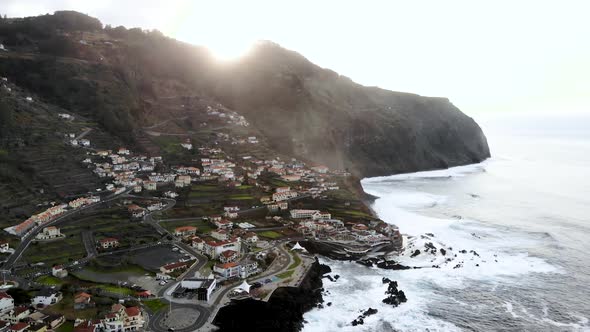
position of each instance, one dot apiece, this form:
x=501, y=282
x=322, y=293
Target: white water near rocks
x=518, y=224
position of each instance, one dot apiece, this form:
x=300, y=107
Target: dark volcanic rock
x=391, y=265
x=415, y=253
x=394, y=296
x=283, y=312
x=361, y=319
x=382, y=264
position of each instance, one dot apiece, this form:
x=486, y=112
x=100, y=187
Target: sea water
x=522, y=218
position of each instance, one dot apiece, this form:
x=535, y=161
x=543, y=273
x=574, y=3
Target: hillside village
x=188, y=218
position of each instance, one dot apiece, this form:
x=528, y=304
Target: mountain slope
x=327, y=118
x=121, y=77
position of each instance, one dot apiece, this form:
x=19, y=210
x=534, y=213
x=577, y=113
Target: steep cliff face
x=116, y=75
x=324, y=117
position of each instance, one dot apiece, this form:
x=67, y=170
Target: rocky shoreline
x=283, y=311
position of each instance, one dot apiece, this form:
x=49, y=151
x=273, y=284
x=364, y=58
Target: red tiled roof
x=132, y=311
x=116, y=307
x=228, y=253
x=227, y=265
x=174, y=265
x=109, y=239
x=19, y=326
x=185, y=228
x=20, y=310
x=82, y=297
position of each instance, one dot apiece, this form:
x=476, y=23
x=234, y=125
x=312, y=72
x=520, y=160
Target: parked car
x=256, y=285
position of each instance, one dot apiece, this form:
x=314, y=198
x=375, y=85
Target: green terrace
x=56, y=252
x=113, y=222
x=208, y=198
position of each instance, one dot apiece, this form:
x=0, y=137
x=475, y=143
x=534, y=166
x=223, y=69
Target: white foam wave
x=484, y=253
x=458, y=171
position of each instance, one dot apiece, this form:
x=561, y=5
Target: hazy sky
x=493, y=56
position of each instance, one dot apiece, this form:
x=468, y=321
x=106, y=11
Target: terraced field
x=115, y=223
x=209, y=198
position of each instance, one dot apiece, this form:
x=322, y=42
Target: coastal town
x=164, y=243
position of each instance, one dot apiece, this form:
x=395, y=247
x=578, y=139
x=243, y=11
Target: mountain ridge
x=120, y=77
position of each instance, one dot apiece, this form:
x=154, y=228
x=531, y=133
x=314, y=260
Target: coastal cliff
x=325, y=117
x=283, y=311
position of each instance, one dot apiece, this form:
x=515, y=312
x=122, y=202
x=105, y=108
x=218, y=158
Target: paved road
x=156, y=321
x=89, y=244
x=26, y=240
x=83, y=134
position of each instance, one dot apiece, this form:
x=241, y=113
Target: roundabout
x=182, y=318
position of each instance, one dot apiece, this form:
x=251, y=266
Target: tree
x=19, y=295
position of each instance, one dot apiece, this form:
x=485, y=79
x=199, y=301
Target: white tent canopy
x=243, y=287
x=297, y=246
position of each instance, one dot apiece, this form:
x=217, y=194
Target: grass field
x=241, y=197
x=286, y=274
x=49, y=280
x=155, y=305
x=297, y=261
x=67, y=326
x=270, y=234
x=56, y=252
x=116, y=289
x=357, y=213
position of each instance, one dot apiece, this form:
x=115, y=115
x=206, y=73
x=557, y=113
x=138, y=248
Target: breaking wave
x=456, y=257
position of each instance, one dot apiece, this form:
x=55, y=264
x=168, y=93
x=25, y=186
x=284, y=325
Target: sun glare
x=227, y=50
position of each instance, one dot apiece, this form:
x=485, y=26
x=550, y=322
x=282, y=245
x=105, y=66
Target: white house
x=214, y=249
x=4, y=246
x=182, y=181
x=251, y=238
x=6, y=303
x=46, y=297
x=302, y=214
x=223, y=224
x=58, y=271
x=109, y=242
x=49, y=233
x=219, y=234
x=149, y=185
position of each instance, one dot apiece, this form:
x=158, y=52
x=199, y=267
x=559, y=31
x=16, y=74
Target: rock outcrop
x=395, y=296
x=283, y=311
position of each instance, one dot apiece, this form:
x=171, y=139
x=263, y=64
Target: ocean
x=515, y=228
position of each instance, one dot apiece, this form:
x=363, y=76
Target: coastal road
x=156, y=322
x=26, y=240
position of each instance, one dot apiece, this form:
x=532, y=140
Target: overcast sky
x=494, y=56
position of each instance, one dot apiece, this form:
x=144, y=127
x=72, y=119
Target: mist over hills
x=122, y=78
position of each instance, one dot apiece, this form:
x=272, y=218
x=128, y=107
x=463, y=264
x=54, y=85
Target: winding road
x=26, y=240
